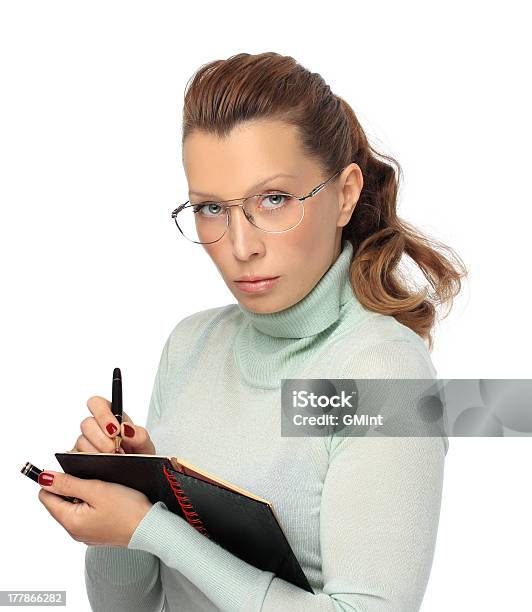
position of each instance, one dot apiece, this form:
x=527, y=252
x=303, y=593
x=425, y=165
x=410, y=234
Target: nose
x=245, y=237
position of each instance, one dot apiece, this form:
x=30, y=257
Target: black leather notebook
x=239, y=521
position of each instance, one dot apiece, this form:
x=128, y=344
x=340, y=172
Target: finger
x=126, y=418
x=66, y=484
x=56, y=506
x=135, y=439
x=101, y=410
x=83, y=445
x=95, y=436
x=127, y=429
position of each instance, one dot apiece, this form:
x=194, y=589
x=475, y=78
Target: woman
x=284, y=185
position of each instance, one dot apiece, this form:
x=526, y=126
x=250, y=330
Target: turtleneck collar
x=271, y=346
x=314, y=313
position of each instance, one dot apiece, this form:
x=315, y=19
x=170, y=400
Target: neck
x=269, y=345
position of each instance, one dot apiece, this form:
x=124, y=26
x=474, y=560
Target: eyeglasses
x=274, y=212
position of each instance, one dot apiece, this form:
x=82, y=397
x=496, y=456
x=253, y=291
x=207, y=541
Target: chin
x=262, y=305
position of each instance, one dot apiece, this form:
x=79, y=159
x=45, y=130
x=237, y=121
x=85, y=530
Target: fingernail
x=128, y=430
x=46, y=479
x=111, y=428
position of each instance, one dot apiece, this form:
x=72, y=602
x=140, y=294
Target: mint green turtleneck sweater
x=361, y=514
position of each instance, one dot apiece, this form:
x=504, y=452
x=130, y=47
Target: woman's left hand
x=108, y=515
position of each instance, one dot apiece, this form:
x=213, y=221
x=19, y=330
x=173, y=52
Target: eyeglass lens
x=207, y=222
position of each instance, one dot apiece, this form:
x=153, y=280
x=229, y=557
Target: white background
x=95, y=275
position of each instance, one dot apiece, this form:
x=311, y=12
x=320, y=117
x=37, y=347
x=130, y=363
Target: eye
x=208, y=209
x=273, y=201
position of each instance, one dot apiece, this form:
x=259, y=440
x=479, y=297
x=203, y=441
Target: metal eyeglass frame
x=312, y=193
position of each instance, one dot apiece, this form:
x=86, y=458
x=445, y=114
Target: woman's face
x=223, y=169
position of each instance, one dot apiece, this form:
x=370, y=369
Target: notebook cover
x=236, y=519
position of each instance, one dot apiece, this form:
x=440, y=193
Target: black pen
x=116, y=403
x=31, y=471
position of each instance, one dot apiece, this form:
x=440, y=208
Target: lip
x=251, y=278
x=255, y=286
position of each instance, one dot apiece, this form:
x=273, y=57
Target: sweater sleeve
x=119, y=578
x=378, y=523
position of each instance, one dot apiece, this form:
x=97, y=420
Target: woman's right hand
x=99, y=430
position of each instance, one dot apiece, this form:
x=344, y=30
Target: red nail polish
x=128, y=430
x=111, y=428
x=46, y=479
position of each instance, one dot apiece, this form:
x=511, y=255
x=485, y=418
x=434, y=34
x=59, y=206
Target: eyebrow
x=257, y=186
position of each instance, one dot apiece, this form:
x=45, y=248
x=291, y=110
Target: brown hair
x=224, y=93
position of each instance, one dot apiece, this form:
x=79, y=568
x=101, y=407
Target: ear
x=350, y=183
